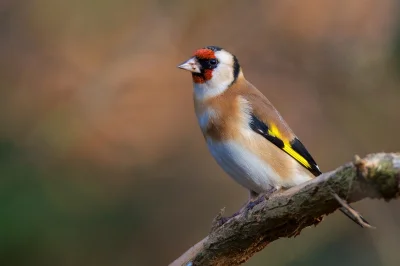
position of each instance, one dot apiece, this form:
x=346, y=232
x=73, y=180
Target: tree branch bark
x=285, y=214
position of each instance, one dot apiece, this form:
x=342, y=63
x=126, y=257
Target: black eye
x=213, y=62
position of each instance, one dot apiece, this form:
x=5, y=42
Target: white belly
x=244, y=167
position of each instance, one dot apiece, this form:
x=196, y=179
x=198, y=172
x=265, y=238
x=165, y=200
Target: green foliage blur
x=101, y=159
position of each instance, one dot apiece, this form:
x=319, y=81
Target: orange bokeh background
x=101, y=158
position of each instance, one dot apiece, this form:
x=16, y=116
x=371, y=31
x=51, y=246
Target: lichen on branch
x=286, y=213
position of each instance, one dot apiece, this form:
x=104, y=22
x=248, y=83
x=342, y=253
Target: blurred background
x=101, y=158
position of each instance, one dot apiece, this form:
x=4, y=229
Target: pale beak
x=191, y=65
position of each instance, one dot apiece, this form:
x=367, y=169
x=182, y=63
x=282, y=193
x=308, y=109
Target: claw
x=253, y=203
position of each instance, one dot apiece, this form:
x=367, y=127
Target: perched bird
x=244, y=132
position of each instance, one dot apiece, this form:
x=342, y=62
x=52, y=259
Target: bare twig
x=285, y=214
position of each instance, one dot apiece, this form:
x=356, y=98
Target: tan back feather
x=262, y=107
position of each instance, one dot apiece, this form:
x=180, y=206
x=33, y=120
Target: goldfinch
x=244, y=132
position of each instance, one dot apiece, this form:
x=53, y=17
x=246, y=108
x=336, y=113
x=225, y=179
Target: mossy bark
x=286, y=214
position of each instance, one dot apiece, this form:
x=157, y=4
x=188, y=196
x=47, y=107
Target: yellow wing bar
x=293, y=147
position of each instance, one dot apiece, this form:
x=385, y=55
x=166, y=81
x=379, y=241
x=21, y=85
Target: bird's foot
x=219, y=220
x=269, y=192
x=260, y=198
x=252, y=203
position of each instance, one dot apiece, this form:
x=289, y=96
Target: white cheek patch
x=224, y=57
x=222, y=76
x=223, y=73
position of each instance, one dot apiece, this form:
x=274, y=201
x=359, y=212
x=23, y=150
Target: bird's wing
x=266, y=121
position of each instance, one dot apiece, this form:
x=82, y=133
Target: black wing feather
x=300, y=149
x=261, y=128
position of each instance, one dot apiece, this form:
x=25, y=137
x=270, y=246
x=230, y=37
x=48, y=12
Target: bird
x=244, y=132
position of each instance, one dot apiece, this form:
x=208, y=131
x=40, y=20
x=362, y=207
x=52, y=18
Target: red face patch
x=204, y=54
x=202, y=77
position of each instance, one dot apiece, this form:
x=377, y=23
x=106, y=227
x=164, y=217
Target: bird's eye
x=213, y=62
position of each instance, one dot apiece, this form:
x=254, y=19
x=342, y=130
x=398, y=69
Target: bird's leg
x=254, y=199
x=271, y=191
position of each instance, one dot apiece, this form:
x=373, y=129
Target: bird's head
x=213, y=68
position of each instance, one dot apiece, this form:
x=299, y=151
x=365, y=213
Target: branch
x=285, y=214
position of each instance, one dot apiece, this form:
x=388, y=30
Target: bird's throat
x=202, y=77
